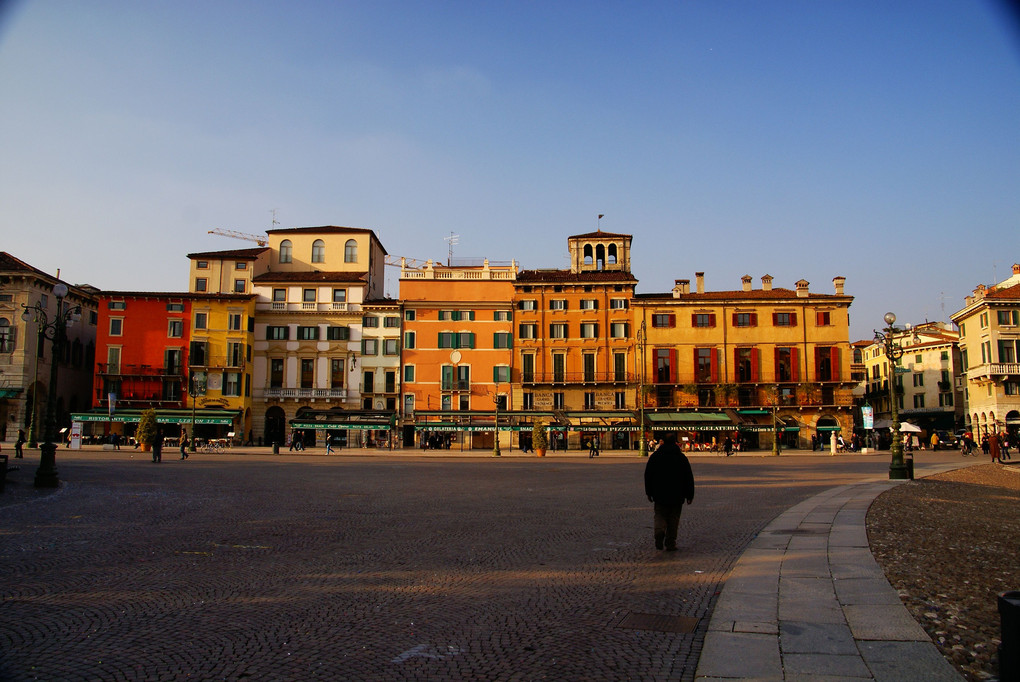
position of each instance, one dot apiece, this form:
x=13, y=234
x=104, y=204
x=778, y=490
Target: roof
x=329, y=229
x=9, y=262
x=566, y=276
x=245, y=254
x=599, y=234
x=176, y=294
x=753, y=294
x=1008, y=292
x=313, y=276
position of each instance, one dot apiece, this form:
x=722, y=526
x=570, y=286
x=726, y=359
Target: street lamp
x=56, y=331
x=196, y=388
x=495, y=431
x=642, y=443
x=893, y=352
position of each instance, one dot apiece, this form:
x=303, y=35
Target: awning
x=10, y=392
x=340, y=424
x=689, y=421
x=219, y=417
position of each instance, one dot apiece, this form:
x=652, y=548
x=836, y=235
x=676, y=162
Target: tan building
x=727, y=363
x=990, y=348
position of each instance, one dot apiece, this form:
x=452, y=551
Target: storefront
x=346, y=429
x=209, y=424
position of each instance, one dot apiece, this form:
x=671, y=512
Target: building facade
x=989, y=326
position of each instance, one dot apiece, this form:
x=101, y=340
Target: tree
x=539, y=439
x=146, y=432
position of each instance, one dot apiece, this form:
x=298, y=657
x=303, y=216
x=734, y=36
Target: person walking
x=184, y=445
x=728, y=446
x=157, y=446
x=669, y=482
x=19, y=444
x=329, y=444
x=993, y=447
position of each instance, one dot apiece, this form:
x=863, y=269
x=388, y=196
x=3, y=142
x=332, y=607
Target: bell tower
x=599, y=252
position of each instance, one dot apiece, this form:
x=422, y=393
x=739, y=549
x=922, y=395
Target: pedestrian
x=591, y=448
x=985, y=446
x=814, y=442
x=1004, y=441
x=299, y=441
x=329, y=444
x=934, y=441
x=19, y=444
x=993, y=447
x=669, y=482
x=184, y=445
x=728, y=446
x=157, y=446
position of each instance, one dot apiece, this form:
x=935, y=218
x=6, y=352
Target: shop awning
x=10, y=392
x=689, y=421
x=221, y=417
x=340, y=424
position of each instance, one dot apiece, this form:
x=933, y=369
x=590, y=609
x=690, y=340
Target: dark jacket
x=668, y=476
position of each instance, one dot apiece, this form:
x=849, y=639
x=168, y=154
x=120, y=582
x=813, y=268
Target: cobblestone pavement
x=363, y=568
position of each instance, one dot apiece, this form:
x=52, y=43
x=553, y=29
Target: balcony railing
x=118, y=369
x=604, y=377
x=334, y=393
x=456, y=385
x=218, y=362
x=994, y=369
x=308, y=306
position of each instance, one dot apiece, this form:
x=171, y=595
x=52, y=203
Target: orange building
x=456, y=355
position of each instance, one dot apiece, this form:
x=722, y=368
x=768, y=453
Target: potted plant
x=539, y=439
x=146, y=432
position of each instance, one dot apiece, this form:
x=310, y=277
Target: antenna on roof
x=275, y=221
x=453, y=240
x=598, y=222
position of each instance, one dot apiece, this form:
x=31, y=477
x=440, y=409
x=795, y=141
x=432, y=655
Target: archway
x=276, y=425
x=826, y=428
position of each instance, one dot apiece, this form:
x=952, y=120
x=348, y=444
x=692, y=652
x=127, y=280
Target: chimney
x=700, y=278
x=681, y=287
x=839, y=281
x=1016, y=268
x=766, y=282
x=802, y=288
x=746, y=280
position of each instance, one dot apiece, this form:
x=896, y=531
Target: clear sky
x=803, y=139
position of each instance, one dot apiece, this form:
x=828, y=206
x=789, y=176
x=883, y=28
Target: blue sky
x=874, y=140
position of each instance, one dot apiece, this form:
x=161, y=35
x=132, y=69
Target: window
x=202, y=264
x=1008, y=317
x=456, y=340
x=308, y=333
x=745, y=319
x=198, y=353
x=277, y=333
x=285, y=251
x=409, y=338
x=784, y=319
x=918, y=379
x=1010, y=387
x=946, y=399
x=619, y=330
x=919, y=400
x=619, y=366
x=502, y=340
x=339, y=296
x=827, y=363
x=318, y=251
x=1007, y=351
x=307, y=372
x=175, y=307
x=703, y=320
x=172, y=361
x=338, y=333
x=201, y=284
x=408, y=374
x=6, y=336
x=589, y=330
x=239, y=286
x=559, y=367
x=232, y=384
x=589, y=304
x=620, y=400
x=390, y=347
x=201, y=320
x=786, y=364
x=240, y=265
x=665, y=365
x=527, y=331
x=456, y=315
x=528, y=304
x=501, y=374
x=558, y=330
x=279, y=295
x=663, y=320
x=559, y=402
x=704, y=365
x=501, y=315
x=370, y=321
x=919, y=359
x=308, y=295
x=175, y=329
x=823, y=318
x=370, y=346
x=234, y=322
x=528, y=401
x=391, y=321
x=589, y=400
x=116, y=326
x=276, y=373
x=528, y=367
x=617, y=304
x=409, y=315
x=351, y=251
x=336, y=372
x=235, y=354
x=747, y=364
x=113, y=360
x=588, y=360
x=983, y=320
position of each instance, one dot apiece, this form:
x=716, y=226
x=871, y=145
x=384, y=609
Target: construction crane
x=402, y=262
x=261, y=241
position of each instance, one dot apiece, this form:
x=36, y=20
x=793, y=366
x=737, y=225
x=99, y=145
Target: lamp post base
x=898, y=472
x=46, y=475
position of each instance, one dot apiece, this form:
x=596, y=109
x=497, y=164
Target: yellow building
x=729, y=363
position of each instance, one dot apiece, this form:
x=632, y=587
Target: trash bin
x=1009, y=649
x=276, y=448
x=908, y=459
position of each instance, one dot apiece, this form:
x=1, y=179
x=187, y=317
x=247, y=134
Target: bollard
x=276, y=448
x=1009, y=649
x=908, y=459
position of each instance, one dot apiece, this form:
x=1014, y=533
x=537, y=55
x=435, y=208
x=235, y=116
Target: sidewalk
x=807, y=599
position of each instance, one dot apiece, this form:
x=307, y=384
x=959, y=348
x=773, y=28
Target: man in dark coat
x=669, y=481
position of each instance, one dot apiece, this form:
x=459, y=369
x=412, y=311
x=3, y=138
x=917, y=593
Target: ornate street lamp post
x=893, y=352
x=56, y=331
x=642, y=443
x=495, y=431
x=196, y=388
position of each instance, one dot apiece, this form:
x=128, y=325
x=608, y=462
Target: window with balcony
x=235, y=354
x=665, y=365
x=307, y=372
x=588, y=360
x=827, y=363
x=705, y=365
x=308, y=295
x=1007, y=350
x=746, y=364
x=276, y=373
x=198, y=353
x=559, y=367
x=786, y=365
x=279, y=295
x=619, y=366
x=528, y=367
x=171, y=391
x=172, y=361
x=336, y=372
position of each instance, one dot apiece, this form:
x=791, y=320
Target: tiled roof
x=174, y=294
x=10, y=263
x=598, y=234
x=566, y=276
x=1008, y=292
x=246, y=254
x=754, y=294
x=304, y=276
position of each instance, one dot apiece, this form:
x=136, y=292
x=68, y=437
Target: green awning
x=10, y=392
x=362, y=426
x=162, y=417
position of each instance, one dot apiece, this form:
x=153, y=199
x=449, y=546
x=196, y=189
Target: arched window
x=588, y=259
x=6, y=336
x=600, y=257
x=285, y=251
x=351, y=251
x=318, y=251
x=612, y=254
